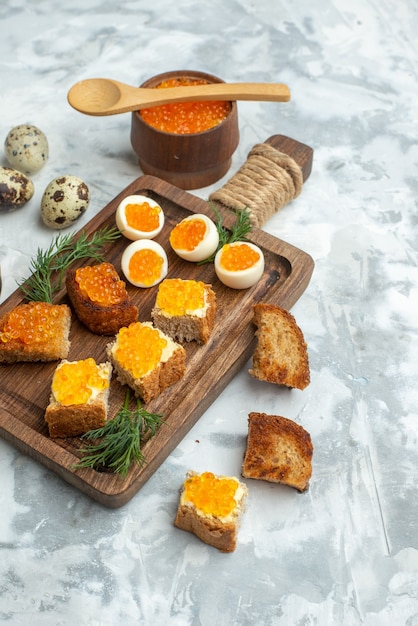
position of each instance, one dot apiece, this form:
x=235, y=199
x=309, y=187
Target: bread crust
x=77, y=419
x=214, y=531
x=210, y=530
x=15, y=350
x=281, y=354
x=154, y=382
x=278, y=450
x=100, y=319
x=188, y=327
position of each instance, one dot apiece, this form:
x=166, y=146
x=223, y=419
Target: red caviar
x=142, y=217
x=31, y=323
x=139, y=348
x=184, y=118
x=235, y=258
x=101, y=283
x=211, y=494
x=145, y=266
x=73, y=383
x=188, y=234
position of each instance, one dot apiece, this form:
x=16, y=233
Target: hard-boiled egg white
x=139, y=217
x=239, y=265
x=195, y=238
x=144, y=263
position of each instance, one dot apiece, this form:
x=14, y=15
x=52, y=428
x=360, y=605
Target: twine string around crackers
x=264, y=184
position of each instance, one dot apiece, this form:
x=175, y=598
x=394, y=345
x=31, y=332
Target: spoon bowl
x=105, y=96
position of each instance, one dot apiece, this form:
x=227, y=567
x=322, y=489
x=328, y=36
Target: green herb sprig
x=238, y=231
x=48, y=267
x=119, y=441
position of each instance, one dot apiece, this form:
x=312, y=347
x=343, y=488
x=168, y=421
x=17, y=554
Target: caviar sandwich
x=185, y=309
x=79, y=397
x=100, y=299
x=146, y=359
x=211, y=507
x=35, y=331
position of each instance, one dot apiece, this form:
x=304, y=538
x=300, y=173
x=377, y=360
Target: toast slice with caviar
x=185, y=309
x=278, y=451
x=281, y=353
x=79, y=397
x=146, y=359
x=211, y=507
x=100, y=299
x=35, y=331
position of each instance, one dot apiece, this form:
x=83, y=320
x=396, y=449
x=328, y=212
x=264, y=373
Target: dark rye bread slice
x=98, y=318
x=281, y=354
x=278, y=450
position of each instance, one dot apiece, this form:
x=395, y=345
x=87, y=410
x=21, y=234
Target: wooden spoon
x=103, y=96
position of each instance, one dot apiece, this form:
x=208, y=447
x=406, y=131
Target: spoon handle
x=272, y=92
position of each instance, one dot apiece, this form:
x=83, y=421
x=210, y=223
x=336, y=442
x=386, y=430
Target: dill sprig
x=238, y=231
x=57, y=258
x=119, y=441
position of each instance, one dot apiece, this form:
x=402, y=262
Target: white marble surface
x=345, y=552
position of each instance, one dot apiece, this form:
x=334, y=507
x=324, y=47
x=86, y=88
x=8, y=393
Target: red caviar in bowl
x=183, y=118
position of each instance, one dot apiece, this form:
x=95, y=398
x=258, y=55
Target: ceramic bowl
x=189, y=160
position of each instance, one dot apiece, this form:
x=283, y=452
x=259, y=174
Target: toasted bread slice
x=203, y=509
x=281, y=354
x=100, y=299
x=278, y=451
x=35, y=331
x=185, y=309
x=146, y=359
x=79, y=398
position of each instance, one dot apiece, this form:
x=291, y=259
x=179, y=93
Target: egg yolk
x=139, y=348
x=142, y=217
x=211, y=495
x=145, y=266
x=238, y=258
x=177, y=297
x=73, y=382
x=188, y=234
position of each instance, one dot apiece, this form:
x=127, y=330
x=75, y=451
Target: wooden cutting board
x=25, y=387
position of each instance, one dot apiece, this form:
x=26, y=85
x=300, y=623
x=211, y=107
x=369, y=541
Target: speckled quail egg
x=64, y=201
x=15, y=189
x=26, y=148
x=195, y=238
x=144, y=263
x=239, y=265
x=139, y=217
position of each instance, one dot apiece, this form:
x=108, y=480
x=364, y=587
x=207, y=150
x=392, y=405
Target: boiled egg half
x=239, y=264
x=195, y=238
x=139, y=217
x=144, y=263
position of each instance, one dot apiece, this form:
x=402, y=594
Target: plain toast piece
x=278, y=450
x=201, y=508
x=70, y=411
x=281, y=354
x=100, y=299
x=35, y=331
